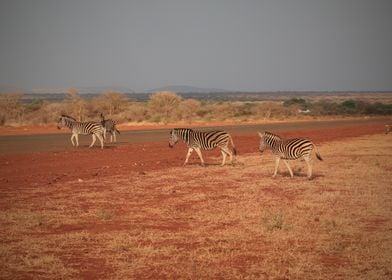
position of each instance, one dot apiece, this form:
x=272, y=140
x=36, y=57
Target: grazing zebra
x=93, y=128
x=109, y=126
x=288, y=149
x=388, y=128
x=206, y=140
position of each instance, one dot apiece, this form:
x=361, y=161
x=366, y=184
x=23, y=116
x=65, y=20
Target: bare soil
x=123, y=212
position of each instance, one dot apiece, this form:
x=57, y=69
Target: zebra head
x=61, y=122
x=64, y=120
x=269, y=140
x=262, y=145
x=173, y=139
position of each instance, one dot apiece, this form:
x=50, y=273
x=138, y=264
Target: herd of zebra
x=282, y=149
x=285, y=149
x=96, y=129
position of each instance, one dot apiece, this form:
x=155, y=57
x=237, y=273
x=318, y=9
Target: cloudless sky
x=229, y=44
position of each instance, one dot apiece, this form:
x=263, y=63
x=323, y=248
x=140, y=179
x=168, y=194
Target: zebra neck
x=185, y=135
x=273, y=143
x=70, y=124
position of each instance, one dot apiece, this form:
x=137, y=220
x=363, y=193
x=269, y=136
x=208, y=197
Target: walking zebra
x=206, y=140
x=93, y=128
x=288, y=149
x=109, y=126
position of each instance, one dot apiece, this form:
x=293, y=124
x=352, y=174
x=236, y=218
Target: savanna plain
x=158, y=220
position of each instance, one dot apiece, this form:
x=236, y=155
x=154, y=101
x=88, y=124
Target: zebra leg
x=94, y=138
x=114, y=136
x=100, y=137
x=72, y=137
x=104, y=134
x=190, y=150
x=288, y=166
x=200, y=155
x=229, y=153
x=77, y=140
x=224, y=155
x=307, y=160
x=277, y=159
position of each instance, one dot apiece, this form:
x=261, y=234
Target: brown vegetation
x=169, y=107
x=233, y=222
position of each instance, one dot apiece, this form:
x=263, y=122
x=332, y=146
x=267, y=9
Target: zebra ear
x=261, y=135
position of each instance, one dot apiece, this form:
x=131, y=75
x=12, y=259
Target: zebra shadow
x=116, y=143
x=87, y=147
x=212, y=164
x=299, y=174
x=110, y=146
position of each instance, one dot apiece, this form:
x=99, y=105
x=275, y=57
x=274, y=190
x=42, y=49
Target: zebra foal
x=288, y=149
x=203, y=140
x=109, y=126
x=93, y=128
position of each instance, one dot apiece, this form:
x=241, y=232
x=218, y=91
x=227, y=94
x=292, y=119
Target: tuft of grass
x=273, y=220
x=105, y=214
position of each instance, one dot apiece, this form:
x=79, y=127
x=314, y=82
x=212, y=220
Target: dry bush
x=219, y=111
x=133, y=112
x=110, y=102
x=267, y=110
x=11, y=109
x=75, y=105
x=188, y=110
x=48, y=113
x=163, y=106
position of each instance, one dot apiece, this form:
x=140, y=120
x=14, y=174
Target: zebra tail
x=318, y=156
x=232, y=144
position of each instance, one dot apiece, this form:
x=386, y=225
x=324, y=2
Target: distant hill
x=9, y=89
x=186, y=89
x=81, y=90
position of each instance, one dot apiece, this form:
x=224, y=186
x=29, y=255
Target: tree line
x=167, y=107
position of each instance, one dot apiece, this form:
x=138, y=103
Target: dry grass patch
x=232, y=222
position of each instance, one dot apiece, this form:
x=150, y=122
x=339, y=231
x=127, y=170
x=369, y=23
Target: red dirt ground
x=24, y=170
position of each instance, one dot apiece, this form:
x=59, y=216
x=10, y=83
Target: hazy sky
x=239, y=45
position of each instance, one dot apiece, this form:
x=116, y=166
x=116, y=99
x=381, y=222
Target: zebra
x=288, y=149
x=388, y=128
x=206, y=140
x=94, y=128
x=109, y=126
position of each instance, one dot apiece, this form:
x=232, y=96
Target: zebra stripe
x=288, y=149
x=203, y=140
x=109, y=125
x=93, y=128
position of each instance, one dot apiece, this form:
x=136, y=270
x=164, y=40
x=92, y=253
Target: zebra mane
x=271, y=135
x=68, y=117
x=181, y=129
